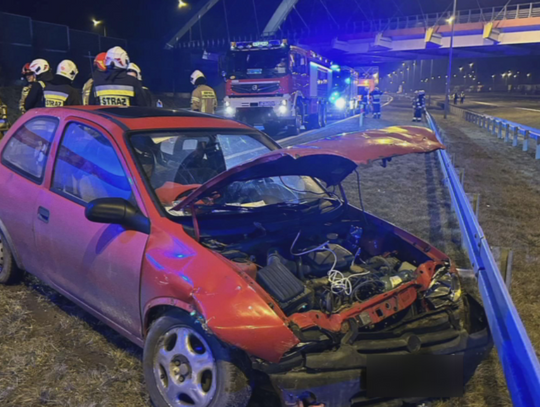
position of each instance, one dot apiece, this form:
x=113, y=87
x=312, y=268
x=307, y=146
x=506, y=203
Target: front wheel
x=185, y=366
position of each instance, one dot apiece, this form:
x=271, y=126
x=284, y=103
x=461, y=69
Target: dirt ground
x=54, y=354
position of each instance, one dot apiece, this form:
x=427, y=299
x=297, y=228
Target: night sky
x=160, y=19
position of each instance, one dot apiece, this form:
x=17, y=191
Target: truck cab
x=276, y=85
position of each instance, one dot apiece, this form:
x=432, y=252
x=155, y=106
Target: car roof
x=145, y=118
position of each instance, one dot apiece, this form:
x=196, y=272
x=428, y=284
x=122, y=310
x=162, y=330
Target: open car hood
x=330, y=159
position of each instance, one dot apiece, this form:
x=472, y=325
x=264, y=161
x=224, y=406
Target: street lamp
x=96, y=23
x=182, y=3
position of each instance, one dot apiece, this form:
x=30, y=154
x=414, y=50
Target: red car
x=228, y=258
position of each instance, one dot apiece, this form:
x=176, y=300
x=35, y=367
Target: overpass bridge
x=512, y=30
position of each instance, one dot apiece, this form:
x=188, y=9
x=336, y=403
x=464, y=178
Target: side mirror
x=117, y=211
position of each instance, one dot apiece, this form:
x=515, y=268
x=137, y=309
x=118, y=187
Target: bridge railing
x=516, y=353
x=509, y=131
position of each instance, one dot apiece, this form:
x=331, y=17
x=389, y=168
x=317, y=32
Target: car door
x=24, y=160
x=98, y=265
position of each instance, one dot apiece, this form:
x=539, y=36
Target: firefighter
x=4, y=123
x=115, y=87
x=42, y=70
x=418, y=107
x=456, y=96
x=60, y=91
x=203, y=98
x=375, y=97
x=462, y=97
x=99, y=64
x=135, y=71
x=30, y=79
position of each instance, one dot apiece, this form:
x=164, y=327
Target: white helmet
x=118, y=57
x=135, y=68
x=68, y=69
x=196, y=75
x=39, y=66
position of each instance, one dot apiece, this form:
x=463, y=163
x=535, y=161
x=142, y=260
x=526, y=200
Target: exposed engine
x=326, y=273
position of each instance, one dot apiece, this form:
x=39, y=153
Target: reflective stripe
x=50, y=94
x=114, y=87
x=116, y=92
x=196, y=99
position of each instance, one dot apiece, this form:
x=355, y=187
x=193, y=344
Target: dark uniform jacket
x=60, y=92
x=116, y=88
x=35, y=95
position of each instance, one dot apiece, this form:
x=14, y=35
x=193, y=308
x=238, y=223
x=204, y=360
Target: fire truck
x=344, y=100
x=277, y=85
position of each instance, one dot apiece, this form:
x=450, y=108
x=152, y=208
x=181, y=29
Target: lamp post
x=451, y=20
x=96, y=23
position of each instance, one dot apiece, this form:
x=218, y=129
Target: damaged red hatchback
x=226, y=257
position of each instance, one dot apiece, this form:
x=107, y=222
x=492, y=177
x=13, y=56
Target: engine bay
x=328, y=269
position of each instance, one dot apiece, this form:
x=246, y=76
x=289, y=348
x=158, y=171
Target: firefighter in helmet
x=42, y=71
x=60, y=91
x=135, y=71
x=99, y=65
x=375, y=97
x=30, y=80
x=203, y=98
x=115, y=87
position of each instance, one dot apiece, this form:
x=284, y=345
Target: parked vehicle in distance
x=345, y=98
x=227, y=258
x=277, y=85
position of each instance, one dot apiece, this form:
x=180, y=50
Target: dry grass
x=54, y=354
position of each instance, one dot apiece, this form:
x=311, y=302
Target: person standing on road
x=30, y=79
x=60, y=91
x=455, y=98
x=375, y=97
x=99, y=64
x=203, y=98
x=42, y=71
x=135, y=71
x=418, y=107
x=115, y=87
x=462, y=97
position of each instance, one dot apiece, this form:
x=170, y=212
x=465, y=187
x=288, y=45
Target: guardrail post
x=526, y=138
x=500, y=130
x=462, y=176
x=494, y=128
x=507, y=135
x=537, y=149
x=506, y=260
x=475, y=202
x=515, y=138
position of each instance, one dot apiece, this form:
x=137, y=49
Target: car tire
x=9, y=272
x=203, y=372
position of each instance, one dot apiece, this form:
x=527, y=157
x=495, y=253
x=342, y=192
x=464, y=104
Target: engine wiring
x=339, y=282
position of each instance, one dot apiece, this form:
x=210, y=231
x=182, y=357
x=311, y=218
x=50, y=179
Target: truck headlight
x=284, y=102
x=340, y=103
x=229, y=111
x=282, y=109
x=227, y=103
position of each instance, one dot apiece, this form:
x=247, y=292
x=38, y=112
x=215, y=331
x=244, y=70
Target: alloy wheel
x=185, y=368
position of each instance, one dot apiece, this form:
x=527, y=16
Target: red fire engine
x=276, y=85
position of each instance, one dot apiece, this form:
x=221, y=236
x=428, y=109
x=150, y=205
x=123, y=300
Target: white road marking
x=525, y=108
x=485, y=103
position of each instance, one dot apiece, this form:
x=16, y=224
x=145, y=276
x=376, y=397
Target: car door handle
x=43, y=214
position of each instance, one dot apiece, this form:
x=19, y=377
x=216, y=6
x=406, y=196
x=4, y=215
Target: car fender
x=186, y=275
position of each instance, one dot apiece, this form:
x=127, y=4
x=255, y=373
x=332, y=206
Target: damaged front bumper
x=337, y=377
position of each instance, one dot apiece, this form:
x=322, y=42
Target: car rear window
x=27, y=150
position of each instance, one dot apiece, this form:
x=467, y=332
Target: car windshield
x=175, y=163
x=253, y=64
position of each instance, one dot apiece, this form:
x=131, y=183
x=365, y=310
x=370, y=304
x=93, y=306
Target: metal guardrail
x=516, y=353
x=503, y=129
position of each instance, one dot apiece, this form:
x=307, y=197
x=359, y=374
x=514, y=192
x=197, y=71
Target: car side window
x=87, y=167
x=27, y=150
